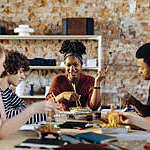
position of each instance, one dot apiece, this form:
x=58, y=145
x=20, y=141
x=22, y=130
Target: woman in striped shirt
x=10, y=126
x=16, y=64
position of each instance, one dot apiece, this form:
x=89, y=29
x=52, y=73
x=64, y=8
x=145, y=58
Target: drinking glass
x=60, y=118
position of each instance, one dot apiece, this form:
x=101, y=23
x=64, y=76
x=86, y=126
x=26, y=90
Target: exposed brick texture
x=122, y=33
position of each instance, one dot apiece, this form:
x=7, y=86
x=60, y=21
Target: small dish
x=47, y=129
x=115, y=130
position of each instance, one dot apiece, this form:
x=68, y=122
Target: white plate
x=115, y=130
x=79, y=112
x=76, y=112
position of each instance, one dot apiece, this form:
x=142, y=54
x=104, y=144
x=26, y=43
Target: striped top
x=14, y=105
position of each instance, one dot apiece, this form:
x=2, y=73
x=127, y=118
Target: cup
x=60, y=118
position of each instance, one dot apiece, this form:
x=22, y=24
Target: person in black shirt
x=143, y=63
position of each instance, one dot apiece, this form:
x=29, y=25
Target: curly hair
x=14, y=61
x=74, y=47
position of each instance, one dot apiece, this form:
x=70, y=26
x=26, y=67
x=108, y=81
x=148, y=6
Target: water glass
x=60, y=118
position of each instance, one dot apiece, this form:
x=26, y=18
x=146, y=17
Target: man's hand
x=125, y=118
x=130, y=118
x=126, y=98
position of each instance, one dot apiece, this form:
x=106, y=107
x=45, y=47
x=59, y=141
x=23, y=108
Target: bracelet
x=97, y=87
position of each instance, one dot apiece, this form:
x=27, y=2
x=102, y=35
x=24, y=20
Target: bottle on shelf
x=31, y=89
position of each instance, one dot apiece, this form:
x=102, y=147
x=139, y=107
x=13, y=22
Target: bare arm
x=11, y=125
x=95, y=98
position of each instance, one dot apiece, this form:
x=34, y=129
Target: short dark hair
x=144, y=52
x=14, y=61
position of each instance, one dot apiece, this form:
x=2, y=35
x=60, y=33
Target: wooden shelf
x=98, y=38
x=59, y=67
x=59, y=37
x=33, y=97
x=50, y=37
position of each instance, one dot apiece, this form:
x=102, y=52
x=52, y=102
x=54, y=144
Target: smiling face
x=73, y=68
x=15, y=79
x=144, y=69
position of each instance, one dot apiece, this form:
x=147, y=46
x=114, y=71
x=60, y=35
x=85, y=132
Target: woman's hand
x=100, y=76
x=43, y=107
x=71, y=96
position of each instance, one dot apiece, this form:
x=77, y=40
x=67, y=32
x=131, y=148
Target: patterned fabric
x=84, y=88
x=14, y=105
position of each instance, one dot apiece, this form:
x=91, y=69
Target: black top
x=148, y=102
x=142, y=109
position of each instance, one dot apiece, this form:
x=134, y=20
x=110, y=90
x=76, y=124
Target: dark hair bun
x=74, y=47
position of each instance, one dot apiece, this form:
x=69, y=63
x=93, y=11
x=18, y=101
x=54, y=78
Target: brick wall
x=123, y=24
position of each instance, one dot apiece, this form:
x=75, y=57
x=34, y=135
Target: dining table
x=134, y=139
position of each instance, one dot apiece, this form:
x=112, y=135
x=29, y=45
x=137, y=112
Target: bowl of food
x=47, y=129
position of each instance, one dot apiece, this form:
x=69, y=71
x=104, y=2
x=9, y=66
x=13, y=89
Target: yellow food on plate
x=47, y=128
x=79, y=109
x=76, y=108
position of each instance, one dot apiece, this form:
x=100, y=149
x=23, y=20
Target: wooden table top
x=15, y=139
x=9, y=142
